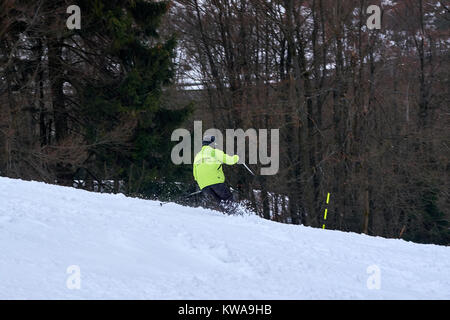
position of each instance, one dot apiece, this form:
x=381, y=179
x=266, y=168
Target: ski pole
x=184, y=197
x=248, y=169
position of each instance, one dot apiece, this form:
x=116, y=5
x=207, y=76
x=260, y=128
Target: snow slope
x=134, y=249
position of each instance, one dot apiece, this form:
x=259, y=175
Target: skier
x=209, y=175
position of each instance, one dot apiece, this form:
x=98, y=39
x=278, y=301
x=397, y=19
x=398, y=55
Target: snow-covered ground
x=63, y=243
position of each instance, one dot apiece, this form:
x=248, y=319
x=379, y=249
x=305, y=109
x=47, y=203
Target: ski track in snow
x=135, y=249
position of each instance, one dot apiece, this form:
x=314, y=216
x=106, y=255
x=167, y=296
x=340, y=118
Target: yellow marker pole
x=326, y=211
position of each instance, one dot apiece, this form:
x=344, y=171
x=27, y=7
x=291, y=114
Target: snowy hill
x=125, y=248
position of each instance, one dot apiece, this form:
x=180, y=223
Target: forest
x=363, y=113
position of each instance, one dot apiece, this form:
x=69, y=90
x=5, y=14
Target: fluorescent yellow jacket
x=208, y=166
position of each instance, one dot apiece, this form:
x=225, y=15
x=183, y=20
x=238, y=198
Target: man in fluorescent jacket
x=208, y=170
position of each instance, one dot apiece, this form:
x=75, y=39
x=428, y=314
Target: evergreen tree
x=122, y=101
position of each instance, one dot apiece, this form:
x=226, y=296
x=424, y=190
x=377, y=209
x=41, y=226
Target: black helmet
x=207, y=140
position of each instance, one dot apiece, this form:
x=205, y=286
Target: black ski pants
x=219, y=192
